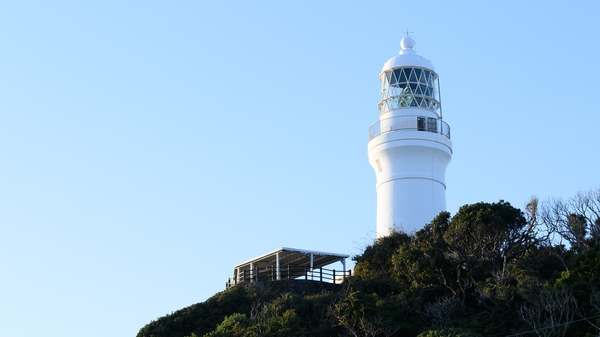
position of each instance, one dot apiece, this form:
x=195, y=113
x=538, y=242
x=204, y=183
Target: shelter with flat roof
x=291, y=263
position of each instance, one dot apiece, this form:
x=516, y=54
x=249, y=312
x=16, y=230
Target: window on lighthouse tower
x=431, y=124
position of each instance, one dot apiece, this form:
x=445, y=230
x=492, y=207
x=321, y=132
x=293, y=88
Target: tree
x=444, y=311
x=277, y=317
x=470, y=252
x=483, y=240
x=550, y=311
x=575, y=220
x=374, y=268
x=449, y=332
x=422, y=261
x=370, y=315
x=376, y=260
x=463, y=269
x=232, y=326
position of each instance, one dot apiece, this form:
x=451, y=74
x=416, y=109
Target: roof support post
x=312, y=257
x=277, y=267
x=251, y=272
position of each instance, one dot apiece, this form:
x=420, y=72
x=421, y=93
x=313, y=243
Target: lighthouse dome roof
x=407, y=57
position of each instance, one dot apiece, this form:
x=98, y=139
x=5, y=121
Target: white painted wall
x=410, y=176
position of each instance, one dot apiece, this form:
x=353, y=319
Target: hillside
x=490, y=270
x=307, y=299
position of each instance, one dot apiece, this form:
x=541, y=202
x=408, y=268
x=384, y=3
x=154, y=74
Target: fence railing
x=419, y=123
x=289, y=272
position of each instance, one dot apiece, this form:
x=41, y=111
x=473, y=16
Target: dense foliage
x=489, y=270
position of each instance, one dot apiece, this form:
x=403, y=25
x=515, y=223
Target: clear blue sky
x=148, y=146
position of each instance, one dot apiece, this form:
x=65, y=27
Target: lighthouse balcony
x=409, y=123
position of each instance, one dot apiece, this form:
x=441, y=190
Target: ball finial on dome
x=407, y=43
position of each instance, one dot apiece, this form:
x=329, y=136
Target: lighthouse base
x=408, y=204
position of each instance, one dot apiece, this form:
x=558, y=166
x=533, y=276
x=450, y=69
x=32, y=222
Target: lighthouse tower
x=410, y=145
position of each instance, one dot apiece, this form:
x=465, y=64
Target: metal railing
x=290, y=273
x=419, y=123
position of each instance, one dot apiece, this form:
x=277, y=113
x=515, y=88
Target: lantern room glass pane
x=395, y=75
x=412, y=77
x=392, y=79
x=418, y=72
x=418, y=90
x=402, y=77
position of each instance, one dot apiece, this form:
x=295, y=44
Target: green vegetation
x=489, y=270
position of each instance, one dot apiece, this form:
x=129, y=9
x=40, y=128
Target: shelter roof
x=292, y=257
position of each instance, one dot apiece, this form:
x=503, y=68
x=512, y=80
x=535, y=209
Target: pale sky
x=147, y=146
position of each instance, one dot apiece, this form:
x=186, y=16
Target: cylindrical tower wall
x=408, y=204
x=410, y=167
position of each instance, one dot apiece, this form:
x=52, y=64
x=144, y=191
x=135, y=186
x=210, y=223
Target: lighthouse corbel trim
x=410, y=146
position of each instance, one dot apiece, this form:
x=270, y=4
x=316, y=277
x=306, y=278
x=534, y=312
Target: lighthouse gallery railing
x=419, y=123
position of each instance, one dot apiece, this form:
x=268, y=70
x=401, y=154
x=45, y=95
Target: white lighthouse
x=410, y=145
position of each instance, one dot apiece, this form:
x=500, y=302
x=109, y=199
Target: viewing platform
x=291, y=264
x=402, y=123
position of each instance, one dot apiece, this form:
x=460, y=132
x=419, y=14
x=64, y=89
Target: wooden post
x=321, y=274
x=305, y=273
x=334, y=276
